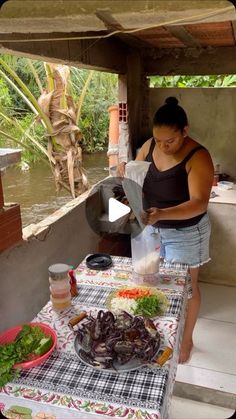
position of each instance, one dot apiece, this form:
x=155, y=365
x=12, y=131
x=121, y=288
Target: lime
x=44, y=345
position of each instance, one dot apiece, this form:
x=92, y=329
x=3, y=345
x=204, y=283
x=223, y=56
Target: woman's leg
x=191, y=317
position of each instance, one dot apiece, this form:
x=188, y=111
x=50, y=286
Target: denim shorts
x=188, y=245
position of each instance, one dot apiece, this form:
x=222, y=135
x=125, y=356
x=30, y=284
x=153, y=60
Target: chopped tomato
x=133, y=293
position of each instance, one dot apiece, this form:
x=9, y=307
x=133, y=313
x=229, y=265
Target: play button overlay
x=117, y=210
x=106, y=209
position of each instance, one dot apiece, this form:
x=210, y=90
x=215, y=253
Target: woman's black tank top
x=168, y=188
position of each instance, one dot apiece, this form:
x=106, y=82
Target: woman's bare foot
x=185, y=351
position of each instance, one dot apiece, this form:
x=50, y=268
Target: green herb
x=148, y=306
x=27, y=342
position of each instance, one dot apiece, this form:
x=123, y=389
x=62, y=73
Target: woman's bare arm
x=143, y=152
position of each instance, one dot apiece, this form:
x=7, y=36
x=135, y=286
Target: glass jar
x=59, y=281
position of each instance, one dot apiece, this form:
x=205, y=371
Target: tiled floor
x=189, y=409
x=210, y=374
x=181, y=409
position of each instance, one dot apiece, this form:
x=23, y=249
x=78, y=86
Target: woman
x=176, y=193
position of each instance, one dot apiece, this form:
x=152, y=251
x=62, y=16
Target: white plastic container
x=224, y=185
x=145, y=250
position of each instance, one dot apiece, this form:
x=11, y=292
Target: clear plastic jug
x=145, y=249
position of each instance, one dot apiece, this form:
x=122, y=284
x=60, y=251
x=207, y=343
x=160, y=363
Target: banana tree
x=59, y=115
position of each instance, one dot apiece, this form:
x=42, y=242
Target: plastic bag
x=135, y=173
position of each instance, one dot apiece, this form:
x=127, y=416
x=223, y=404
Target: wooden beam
x=233, y=23
x=183, y=35
x=113, y=25
x=110, y=22
x=191, y=61
x=17, y=37
x=104, y=54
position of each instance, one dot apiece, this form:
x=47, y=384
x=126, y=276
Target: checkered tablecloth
x=143, y=388
x=64, y=382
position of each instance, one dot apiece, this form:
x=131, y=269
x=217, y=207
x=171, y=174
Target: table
x=224, y=196
x=63, y=387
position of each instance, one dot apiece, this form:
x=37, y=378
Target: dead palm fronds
x=59, y=115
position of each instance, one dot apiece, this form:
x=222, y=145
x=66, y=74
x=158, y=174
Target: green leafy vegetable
x=149, y=306
x=30, y=340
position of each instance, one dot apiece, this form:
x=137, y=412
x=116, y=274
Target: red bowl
x=10, y=334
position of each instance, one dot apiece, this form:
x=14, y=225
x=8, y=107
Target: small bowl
x=224, y=185
x=10, y=334
x=99, y=261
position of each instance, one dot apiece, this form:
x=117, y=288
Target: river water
x=35, y=189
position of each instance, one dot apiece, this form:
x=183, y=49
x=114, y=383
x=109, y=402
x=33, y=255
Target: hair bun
x=171, y=101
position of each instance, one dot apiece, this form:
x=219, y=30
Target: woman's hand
x=120, y=171
x=151, y=216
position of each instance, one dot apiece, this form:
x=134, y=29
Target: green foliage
x=5, y=97
x=102, y=92
x=37, y=131
x=94, y=121
x=21, y=67
x=193, y=81
x=30, y=153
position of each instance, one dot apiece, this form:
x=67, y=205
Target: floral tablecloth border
x=73, y=403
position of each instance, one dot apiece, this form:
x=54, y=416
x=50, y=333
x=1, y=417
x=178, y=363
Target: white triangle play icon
x=116, y=210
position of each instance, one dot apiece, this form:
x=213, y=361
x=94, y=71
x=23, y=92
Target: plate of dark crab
x=117, y=342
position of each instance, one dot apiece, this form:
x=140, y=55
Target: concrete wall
x=64, y=237
x=212, y=122
x=222, y=267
